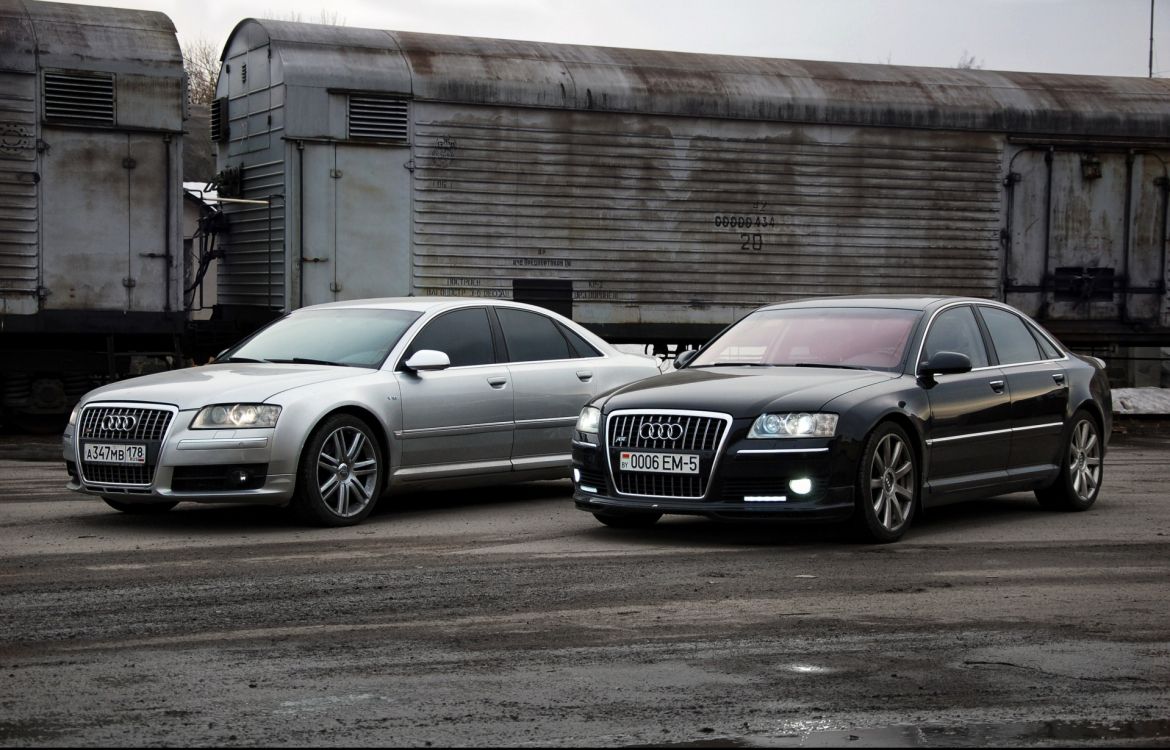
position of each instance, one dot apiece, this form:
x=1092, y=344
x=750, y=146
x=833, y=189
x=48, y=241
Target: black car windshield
x=350, y=337
x=872, y=338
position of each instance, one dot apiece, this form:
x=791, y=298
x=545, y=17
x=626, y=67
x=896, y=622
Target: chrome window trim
x=726, y=418
x=998, y=305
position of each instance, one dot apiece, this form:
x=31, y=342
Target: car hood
x=195, y=387
x=743, y=392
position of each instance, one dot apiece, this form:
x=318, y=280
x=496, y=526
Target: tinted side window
x=1046, y=348
x=955, y=330
x=531, y=337
x=1010, y=337
x=581, y=347
x=463, y=335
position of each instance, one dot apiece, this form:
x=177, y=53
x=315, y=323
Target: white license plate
x=109, y=453
x=661, y=463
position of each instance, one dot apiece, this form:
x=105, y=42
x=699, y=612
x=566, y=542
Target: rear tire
x=887, y=486
x=628, y=520
x=139, y=509
x=340, y=474
x=1081, y=468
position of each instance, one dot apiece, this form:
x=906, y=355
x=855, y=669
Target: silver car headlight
x=794, y=425
x=590, y=420
x=235, y=417
x=73, y=416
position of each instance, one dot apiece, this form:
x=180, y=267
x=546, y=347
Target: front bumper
x=744, y=485
x=207, y=466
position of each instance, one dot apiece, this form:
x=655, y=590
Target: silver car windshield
x=864, y=338
x=347, y=337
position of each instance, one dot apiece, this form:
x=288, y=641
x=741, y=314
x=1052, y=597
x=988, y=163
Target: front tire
x=340, y=474
x=139, y=509
x=887, y=485
x=628, y=520
x=1081, y=468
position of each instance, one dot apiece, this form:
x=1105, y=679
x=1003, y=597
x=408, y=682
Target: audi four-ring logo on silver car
x=660, y=431
x=119, y=422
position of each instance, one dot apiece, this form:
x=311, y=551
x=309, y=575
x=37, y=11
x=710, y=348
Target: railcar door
x=356, y=201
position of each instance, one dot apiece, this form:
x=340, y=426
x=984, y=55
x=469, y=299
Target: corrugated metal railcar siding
x=669, y=220
x=253, y=268
x=19, y=239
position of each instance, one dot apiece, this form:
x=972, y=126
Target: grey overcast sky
x=1100, y=37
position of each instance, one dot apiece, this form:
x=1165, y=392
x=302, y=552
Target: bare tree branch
x=201, y=61
x=969, y=62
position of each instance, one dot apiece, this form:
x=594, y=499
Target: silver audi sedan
x=331, y=406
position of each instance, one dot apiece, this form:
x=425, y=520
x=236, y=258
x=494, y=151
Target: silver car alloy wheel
x=347, y=471
x=891, y=482
x=1084, y=459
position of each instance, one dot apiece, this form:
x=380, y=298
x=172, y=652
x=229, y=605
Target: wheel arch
x=916, y=443
x=369, y=419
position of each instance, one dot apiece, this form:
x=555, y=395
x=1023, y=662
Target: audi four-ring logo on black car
x=119, y=422
x=660, y=431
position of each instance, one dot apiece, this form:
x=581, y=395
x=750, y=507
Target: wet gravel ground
x=509, y=618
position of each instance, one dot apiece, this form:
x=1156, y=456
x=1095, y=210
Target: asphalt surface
x=493, y=618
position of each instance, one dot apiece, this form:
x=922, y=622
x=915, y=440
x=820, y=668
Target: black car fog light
x=801, y=485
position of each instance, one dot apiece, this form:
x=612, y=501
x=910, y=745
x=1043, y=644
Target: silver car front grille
x=122, y=424
x=699, y=433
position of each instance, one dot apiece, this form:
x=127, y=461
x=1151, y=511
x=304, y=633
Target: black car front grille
x=122, y=425
x=665, y=433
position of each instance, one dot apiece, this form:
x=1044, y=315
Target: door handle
x=1058, y=377
x=585, y=375
x=497, y=382
x=997, y=386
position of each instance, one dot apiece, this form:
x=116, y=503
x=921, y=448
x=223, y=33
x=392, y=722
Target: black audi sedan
x=860, y=409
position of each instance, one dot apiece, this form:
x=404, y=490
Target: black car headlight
x=589, y=422
x=235, y=417
x=794, y=425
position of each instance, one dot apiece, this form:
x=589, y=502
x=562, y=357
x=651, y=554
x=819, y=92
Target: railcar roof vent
x=378, y=117
x=81, y=98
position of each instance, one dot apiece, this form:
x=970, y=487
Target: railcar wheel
x=139, y=509
x=1081, y=467
x=887, y=485
x=628, y=520
x=340, y=473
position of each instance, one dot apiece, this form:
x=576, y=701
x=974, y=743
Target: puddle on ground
x=1152, y=733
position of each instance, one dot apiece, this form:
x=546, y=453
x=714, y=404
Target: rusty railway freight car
x=91, y=128
x=656, y=196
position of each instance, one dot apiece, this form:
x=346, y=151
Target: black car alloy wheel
x=887, y=485
x=1081, y=466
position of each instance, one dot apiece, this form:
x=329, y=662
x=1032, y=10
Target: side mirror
x=426, y=360
x=945, y=363
x=683, y=359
